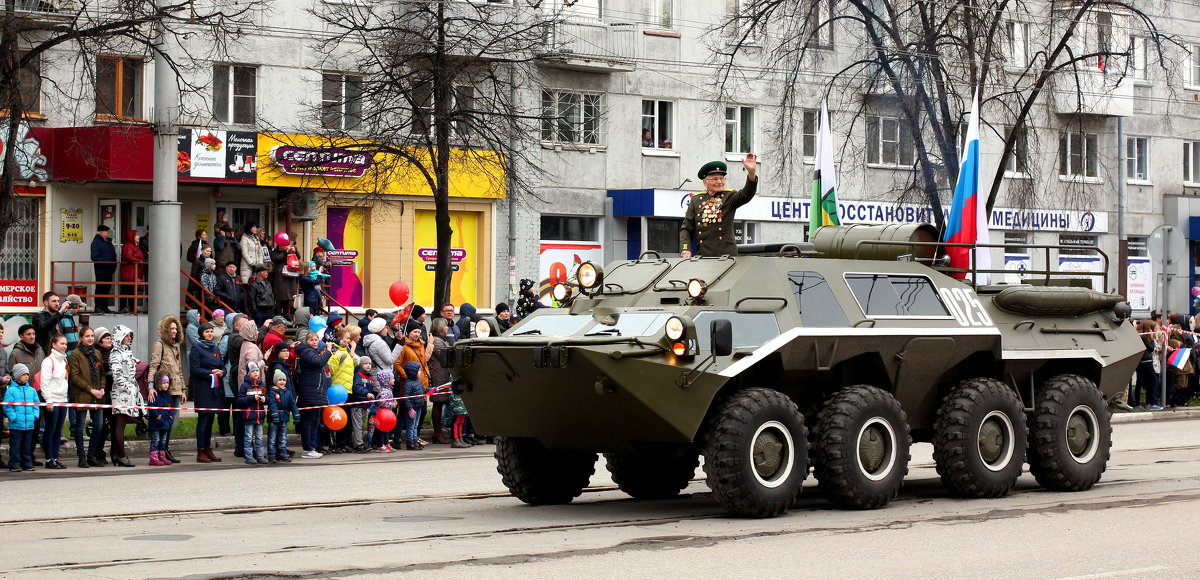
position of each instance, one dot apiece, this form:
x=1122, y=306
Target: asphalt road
x=443, y=513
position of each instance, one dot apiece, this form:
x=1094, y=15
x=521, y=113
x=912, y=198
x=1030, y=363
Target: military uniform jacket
x=710, y=217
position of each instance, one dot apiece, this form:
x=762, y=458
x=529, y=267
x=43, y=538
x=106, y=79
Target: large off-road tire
x=652, y=476
x=861, y=447
x=1070, y=434
x=979, y=438
x=756, y=452
x=540, y=476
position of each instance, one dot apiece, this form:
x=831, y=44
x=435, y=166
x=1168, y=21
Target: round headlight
x=483, y=329
x=589, y=275
x=696, y=288
x=561, y=292
x=675, y=328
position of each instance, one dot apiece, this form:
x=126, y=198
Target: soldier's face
x=715, y=183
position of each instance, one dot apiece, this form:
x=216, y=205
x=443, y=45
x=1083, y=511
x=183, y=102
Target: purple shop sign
x=430, y=254
x=341, y=254
x=321, y=161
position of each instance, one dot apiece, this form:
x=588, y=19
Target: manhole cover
x=163, y=538
x=417, y=519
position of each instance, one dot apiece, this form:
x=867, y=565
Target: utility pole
x=164, y=206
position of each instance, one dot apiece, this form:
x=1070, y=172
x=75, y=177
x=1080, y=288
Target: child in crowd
x=364, y=389
x=20, y=419
x=458, y=410
x=159, y=419
x=414, y=403
x=281, y=405
x=55, y=390
x=251, y=399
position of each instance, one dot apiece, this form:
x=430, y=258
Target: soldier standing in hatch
x=710, y=214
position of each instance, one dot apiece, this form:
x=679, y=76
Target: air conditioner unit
x=304, y=206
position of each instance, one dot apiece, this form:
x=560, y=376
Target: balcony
x=43, y=10
x=591, y=46
x=1097, y=93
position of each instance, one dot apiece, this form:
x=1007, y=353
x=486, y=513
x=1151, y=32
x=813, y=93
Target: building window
x=29, y=84
x=1103, y=39
x=341, y=101
x=570, y=228
x=1077, y=155
x=1018, y=43
x=660, y=13
x=587, y=9
x=19, y=252
x=662, y=234
x=808, y=142
x=656, y=124
x=1142, y=99
x=1137, y=156
x=821, y=24
x=1139, y=57
x=1194, y=66
x=740, y=28
x=889, y=142
x=572, y=118
x=118, y=87
x=234, y=87
x=1191, y=161
x=1018, y=162
x=739, y=129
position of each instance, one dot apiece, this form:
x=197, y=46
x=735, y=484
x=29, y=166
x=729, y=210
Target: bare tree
x=441, y=87
x=926, y=57
x=77, y=30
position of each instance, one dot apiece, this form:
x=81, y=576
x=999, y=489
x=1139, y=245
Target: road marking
x=1113, y=574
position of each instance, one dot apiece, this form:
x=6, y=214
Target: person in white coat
x=252, y=252
x=56, y=391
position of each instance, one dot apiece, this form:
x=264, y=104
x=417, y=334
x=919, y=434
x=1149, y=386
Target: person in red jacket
x=133, y=269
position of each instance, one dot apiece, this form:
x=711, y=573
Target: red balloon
x=335, y=418
x=385, y=420
x=399, y=292
x=281, y=239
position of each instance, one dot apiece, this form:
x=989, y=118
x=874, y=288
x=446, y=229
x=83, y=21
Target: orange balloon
x=335, y=418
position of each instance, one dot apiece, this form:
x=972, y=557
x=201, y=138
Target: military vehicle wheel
x=540, y=476
x=756, y=453
x=861, y=447
x=979, y=438
x=1069, y=434
x=651, y=476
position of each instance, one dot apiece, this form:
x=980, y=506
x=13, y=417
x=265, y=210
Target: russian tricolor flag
x=968, y=222
x=1179, y=357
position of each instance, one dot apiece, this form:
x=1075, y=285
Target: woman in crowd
x=285, y=271
x=439, y=330
x=207, y=368
x=250, y=352
x=166, y=360
x=310, y=284
x=133, y=269
x=55, y=391
x=85, y=374
x=125, y=392
x=414, y=351
x=311, y=360
x=104, y=344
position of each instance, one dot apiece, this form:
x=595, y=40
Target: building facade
x=629, y=89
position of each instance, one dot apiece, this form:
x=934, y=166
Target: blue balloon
x=337, y=394
x=317, y=324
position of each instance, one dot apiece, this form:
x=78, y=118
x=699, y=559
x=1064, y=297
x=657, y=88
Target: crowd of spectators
x=248, y=356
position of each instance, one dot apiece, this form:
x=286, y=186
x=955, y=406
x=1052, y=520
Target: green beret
x=713, y=167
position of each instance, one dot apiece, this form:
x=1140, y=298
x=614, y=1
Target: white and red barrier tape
x=433, y=391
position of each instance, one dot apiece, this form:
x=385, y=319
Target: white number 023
x=965, y=307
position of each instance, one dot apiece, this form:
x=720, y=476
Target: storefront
x=379, y=217
x=22, y=263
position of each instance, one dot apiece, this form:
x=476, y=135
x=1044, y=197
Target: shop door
x=345, y=228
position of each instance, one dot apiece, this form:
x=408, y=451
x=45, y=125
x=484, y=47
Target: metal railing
x=615, y=41
x=188, y=300
x=86, y=288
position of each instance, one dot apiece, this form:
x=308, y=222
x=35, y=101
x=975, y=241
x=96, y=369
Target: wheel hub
x=1081, y=433
x=996, y=440
x=876, y=448
x=772, y=454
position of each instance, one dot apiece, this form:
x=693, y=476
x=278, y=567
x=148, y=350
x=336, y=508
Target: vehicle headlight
x=561, y=292
x=590, y=275
x=483, y=329
x=675, y=328
x=696, y=288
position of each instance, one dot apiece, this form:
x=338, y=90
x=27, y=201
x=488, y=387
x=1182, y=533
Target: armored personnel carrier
x=834, y=356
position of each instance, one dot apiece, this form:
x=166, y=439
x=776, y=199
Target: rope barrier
x=430, y=392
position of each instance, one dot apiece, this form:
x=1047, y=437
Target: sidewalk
x=1163, y=415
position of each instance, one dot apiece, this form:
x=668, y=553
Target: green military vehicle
x=834, y=355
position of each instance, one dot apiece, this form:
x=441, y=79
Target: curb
x=1174, y=414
